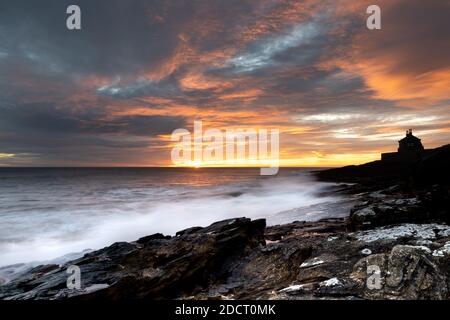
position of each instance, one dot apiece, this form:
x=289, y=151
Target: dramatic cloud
x=112, y=93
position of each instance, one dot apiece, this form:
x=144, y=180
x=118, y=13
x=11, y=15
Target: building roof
x=409, y=137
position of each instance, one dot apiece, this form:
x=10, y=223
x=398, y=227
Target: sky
x=112, y=93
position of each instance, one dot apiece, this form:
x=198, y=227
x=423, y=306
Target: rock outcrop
x=431, y=169
x=383, y=207
x=153, y=267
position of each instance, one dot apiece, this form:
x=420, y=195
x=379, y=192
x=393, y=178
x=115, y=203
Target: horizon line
x=156, y=167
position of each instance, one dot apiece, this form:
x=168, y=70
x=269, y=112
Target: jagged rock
x=407, y=272
x=149, y=238
x=382, y=211
x=153, y=267
x=404, y=231
x=434, y=168
x=244, y=259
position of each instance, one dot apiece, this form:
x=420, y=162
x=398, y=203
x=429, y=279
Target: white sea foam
x=45, y=220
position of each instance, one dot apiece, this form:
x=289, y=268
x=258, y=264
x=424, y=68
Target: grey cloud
x=45, y=118
x=263, y=53
x=139, y=88
x=116, y=37
x=45, y=135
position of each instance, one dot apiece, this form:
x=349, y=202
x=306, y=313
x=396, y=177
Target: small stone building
x=410, y=143
x=410, y=149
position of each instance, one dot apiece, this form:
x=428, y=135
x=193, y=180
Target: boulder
x=406, y=272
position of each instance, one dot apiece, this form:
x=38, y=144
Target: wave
x=129, y=212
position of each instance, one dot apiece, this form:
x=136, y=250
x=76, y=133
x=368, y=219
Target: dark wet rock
x=434, y=168
x=407, y=256
x=330, y=225
x=232, y=259
x=188, y=231
x=407, y=272
x=156, y=267
x=437, y=200
x=156, y=236
x=381, y=211
x=387, y=207
x=369, y=176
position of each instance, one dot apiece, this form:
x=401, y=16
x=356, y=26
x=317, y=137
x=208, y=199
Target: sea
x=46, y=213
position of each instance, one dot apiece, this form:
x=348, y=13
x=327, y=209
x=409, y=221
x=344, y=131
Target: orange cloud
x=197, y=81
x=432, y=85
x=246, y=95
x=407, y=59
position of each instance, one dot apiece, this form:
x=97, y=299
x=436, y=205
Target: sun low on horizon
x=113, y=92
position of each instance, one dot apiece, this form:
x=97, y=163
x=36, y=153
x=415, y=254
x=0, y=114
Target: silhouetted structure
x=410, y=149
x=410, y=143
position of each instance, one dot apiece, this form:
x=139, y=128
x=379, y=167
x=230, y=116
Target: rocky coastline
x=395, y=244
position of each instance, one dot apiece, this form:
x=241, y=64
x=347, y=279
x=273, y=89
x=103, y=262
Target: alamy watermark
x=74, y=280
x=230, y=147
x=373, y=22
x=374, y=280
x=73, y=21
